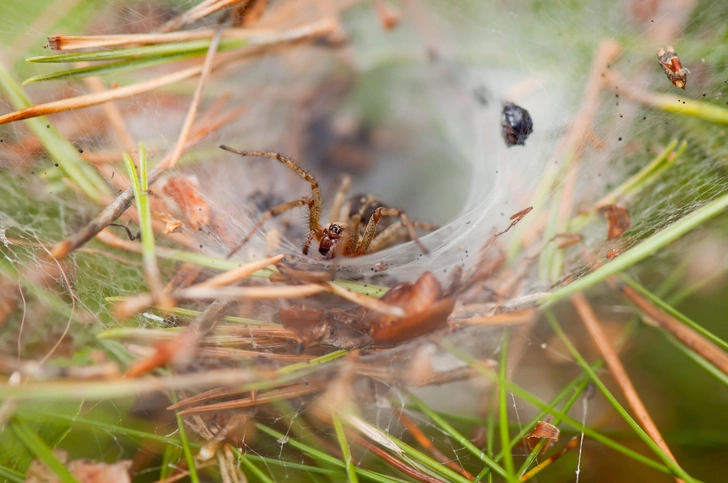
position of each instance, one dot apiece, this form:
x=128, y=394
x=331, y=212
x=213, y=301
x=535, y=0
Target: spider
x=363, y=231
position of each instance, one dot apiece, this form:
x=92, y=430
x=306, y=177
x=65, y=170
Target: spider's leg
x=371, y=228
x=393, y=233
x=275, y=211
x=339, y=199
x=314, y=205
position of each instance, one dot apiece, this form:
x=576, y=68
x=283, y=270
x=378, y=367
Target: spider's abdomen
x=365, y=205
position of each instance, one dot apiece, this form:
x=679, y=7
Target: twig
x=620, y=375
x=184, y=134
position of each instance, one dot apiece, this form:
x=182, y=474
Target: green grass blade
x=11, y=475
x=457, y=436
x=108, y=68
x=676, y=469
x=194, y=478
x=62, y=152
x=435, y=467
x=198, y=47
x=251, y=467
x=674, y=312
x=345, y=450
x=531, y=399
x=642, y=250
x=697, y=358
x=170, y=455
x=503, y=408
x=41, y=451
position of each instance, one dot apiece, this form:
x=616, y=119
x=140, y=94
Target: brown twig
x=620, y=375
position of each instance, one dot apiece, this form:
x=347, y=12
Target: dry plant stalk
x=620, y=375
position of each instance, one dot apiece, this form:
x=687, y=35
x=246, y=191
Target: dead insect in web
x=618, y=220
x=424, y=306
x=516, y=124
x=672, y=66
x=367, y=224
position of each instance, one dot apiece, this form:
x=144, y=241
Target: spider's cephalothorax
x=362, y=230
x=330, y=238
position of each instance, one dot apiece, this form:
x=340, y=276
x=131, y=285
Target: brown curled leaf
x=543, y=430
x=425, y=310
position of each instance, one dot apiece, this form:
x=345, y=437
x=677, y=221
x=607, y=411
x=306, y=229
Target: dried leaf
x=543, y=430
x=618, y=220
x=425, y=310
x=184, y=191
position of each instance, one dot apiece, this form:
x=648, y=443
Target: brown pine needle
x=426, y=443
x=301, y=389
x=364, y=300
x=73, y=42
x=243, y=271
x=620, y=375
x=682, y=332
x=251, y=293
x=94, y=99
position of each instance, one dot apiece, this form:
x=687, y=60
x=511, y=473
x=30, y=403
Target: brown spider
x=362, y=231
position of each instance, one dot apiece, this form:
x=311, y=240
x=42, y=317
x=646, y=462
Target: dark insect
x=672, y=66
x=366, y=228
x=516, y=124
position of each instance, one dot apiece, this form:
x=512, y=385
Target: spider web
x=418, y=109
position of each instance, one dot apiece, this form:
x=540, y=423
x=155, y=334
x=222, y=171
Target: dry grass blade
x=260, y=398
x=620, y=375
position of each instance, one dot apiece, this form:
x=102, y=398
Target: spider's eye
x=334, y=228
